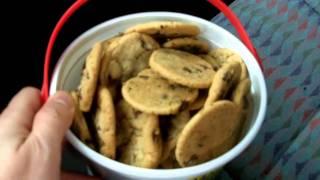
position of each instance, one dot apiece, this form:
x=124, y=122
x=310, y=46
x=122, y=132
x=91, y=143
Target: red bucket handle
x=236, y=23
x=64, y=18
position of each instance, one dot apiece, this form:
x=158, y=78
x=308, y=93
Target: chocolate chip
x=186, y=69
x=172, y=87
x=215, y=67
x=80, y=95
x=144, y=45
x=203, y=66
x=180, y=86
x=84, y=66
x=85, y=74
x=164, y=96
x=162, y=78
x=134, y=158
x=197, y=70
x=143, y=77
x=227, y=77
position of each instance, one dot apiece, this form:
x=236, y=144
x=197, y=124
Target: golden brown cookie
x=198, y=103
x=105, y=68
x=142, y=144
x=207, y=132
x=227, y=143
x=115, y=70
x=166, y=29
x=105, y=123
x=132, y=52
x=222, y=55
x=79, y=124
x=124, y=128
x=188, y=44
x=182, y=68
x=240, y=93
x=247, y=110
x=223, y=80
x=104, y=71
x=89, y=77
x=241, y=96
x=176, y=124
x=244, y=72
x=151, y=93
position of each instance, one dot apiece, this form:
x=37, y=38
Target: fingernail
x=63, y=99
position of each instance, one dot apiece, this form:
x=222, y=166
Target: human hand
x=31, y=136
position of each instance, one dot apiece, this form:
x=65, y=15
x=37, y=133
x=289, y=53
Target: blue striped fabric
x=286, y=34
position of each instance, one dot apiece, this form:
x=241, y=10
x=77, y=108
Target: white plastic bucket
x=66, y=76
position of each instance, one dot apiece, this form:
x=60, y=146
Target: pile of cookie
x=158, y=96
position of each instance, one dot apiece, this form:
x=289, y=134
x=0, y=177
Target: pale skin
x=31, y=136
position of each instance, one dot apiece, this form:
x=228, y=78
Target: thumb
x=53, y=119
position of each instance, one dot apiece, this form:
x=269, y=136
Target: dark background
x=26, y=27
